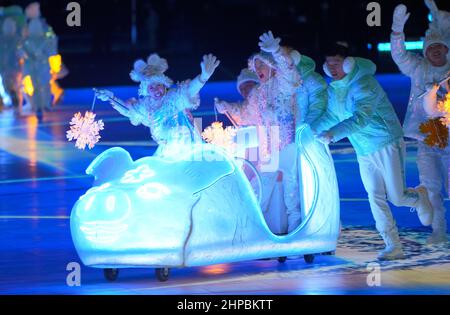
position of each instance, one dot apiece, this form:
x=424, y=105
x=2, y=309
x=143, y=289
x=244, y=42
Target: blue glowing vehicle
x=197, y=210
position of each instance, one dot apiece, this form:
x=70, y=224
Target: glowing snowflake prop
x=85, y=130
x=222, y=137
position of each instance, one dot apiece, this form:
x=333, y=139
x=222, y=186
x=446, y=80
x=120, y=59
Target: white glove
x=104, y=95
x=220, y=106
x=208, y=65
x=268, y=43
x=400, y=18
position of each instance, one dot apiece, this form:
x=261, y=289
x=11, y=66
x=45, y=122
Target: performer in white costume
x=161, y=108
x=425, y=71
x=360, y=110
x=271, y=107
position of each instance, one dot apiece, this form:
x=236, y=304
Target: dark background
x=101, y=51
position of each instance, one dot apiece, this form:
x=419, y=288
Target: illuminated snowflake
x=85, y=130
x=222, y=137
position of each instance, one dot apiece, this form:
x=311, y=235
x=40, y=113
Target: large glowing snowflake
x=85, y=130
x=222, y=137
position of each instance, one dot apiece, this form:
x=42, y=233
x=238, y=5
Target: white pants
x=383, y=176
x=281, y=196
x=433, y=165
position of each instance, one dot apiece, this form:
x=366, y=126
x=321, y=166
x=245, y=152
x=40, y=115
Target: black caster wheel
x=309, y=259
x=162, y=274
x=282, y=260
x=111, y=274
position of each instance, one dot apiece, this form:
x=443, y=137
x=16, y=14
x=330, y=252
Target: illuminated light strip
x=40, y=179
x=417, y=45
x=35, y=217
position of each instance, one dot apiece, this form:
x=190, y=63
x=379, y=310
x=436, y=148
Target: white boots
x=391, y=253
x=393, y=250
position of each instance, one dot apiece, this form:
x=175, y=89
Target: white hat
x=434, y=37
x=151, y=71
x=439, y=28
x=246, y=76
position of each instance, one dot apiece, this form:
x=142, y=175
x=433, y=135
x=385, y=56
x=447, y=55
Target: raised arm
x=286, y=67
x=208, y=66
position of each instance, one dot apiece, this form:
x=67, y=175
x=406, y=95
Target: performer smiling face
x=437, y=54
x=156, y=90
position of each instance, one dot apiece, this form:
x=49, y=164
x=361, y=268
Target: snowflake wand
x=84, y=129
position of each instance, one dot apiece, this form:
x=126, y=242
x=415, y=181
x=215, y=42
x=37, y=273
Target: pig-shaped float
x=197, y=209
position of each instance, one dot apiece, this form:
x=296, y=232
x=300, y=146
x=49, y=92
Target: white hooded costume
x=432, y=162
x=272, y=104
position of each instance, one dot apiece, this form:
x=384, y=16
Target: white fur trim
x=326, y=70
x=245, y=76
x=151, y=71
